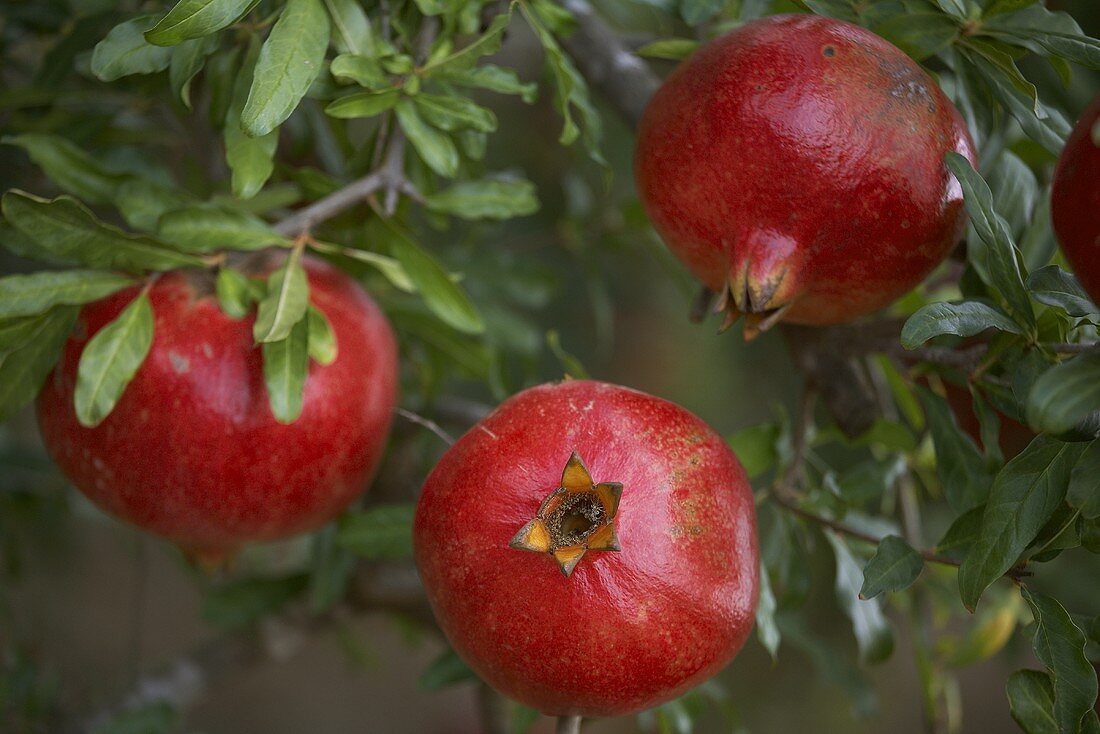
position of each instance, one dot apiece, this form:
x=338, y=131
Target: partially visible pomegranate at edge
x=796, y=166
x=589, y=549
x=1075, y=199
x=192, y=452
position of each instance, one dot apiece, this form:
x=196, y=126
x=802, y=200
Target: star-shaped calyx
x=577, y=517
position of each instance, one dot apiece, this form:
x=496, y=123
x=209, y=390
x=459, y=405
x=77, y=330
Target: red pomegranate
x=1075, y=200
x=192, y=452
x=796, y=166
x=589, y=549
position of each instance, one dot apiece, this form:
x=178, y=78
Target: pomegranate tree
x=192, y=451
x=795, y=165
x=589, y=549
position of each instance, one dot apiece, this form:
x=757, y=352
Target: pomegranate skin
x=626, y=630
x=192, y=452
x=1075, y=200
x=798, y=162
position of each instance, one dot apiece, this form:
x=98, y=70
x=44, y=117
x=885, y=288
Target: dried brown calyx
x=577, y=517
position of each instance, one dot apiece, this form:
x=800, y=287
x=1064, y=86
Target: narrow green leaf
x=959, y=463
x=920, y=35
x=364, y=71
x=67, y=229
x=187, y=60
x=573, y=366
x=15, y=332
x=755, y=447
x=767, y=631
x=436, y=149
x=204, y=228
x=997, y=261
x=1066, y=394
x=250, y=159
x=492, y=78
x=23, y=371
x=291, y=58
x=381, y=532
x=673, y=49
x=443, y=296
x=110, y=360
x=466, y=57
x=285, y=303
x=1084, y=483
x=1055, y=287
x=1025, y=494
x=1031, y=701
x=194, y=19
x=446, y=670
x=966, y=318
x=286, y=367
x=352, y=32
x=1046, y=33
x=388, y=266
x=234, y=293
x=363, y=104
x=125, y=51
x=872, y=630
x=895, y=566
x=27, y=295
x=142, y=202
x=486, y=199
x=322, y=340
x=1015, y=191
x=1060, y=645
x=453, y=113
x=68, y=166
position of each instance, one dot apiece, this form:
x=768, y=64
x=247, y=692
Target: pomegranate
x=589, y=549
x=796, y=166
x=192, y=452
x=1075, y=200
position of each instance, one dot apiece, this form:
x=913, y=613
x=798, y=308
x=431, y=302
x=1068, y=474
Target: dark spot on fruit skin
x=828, y=52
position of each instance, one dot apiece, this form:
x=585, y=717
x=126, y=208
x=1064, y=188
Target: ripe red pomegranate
x=192, y=451
x=589, y=549
x=796, y=166
x=1075, y=200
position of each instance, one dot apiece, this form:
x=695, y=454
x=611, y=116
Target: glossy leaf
x=110, y=359
x=288, y=63
x=250, y=159
x=188, y=59
x=363, y=104
x=966, y=318
x=959, y=463
x=869, y=624
x=194, y=19
x=204, y=229
x=322, y=340
x=285, y=303
x=895, y=566
x=23, y=370
x=381, y=532
x=1060, y=645
x=453, y=113
x=434, y=147
x=1031, y=701
x=673, y=49
x=466, y=57
x=1065, y=394
x=125, y=51
x=1025, y=494
x=234, y=293
x=27, y=295
x=352, y=33
x=486, y=199
x=492, y=78
x=767, y=631
x=69, y=167
x=1084, y=483
x=286, y=367
x=1055, y=287
x=445, y=298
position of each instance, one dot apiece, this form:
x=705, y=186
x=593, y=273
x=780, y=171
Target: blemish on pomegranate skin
x=828, y=52
x=179, y=363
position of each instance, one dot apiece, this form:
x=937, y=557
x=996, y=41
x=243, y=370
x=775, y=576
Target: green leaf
x=110, y=360
x=1060, y=645
x=673, y=49
x=362, y=70
x=872, y=630
x=492, y=78
x=158, y=717
x=446, y=670
x=466, y=57
x=895, y=566
x=187, y=60
x=1046, y=33
x=250, y=159
x=919, y=34
x=26, y=295
x=966, y=318
x=142, y=202
x=767, y=631
x=322, y=340
x=991, y=630
x=125, y=51
x=286, y=366
x=995, y=7
x=445, y=298
x=1084, y=485
x=755, y=446
x=23, y=370
x=1025, y=494
x=352, y=32
x=241, y=603
x=1015, y=191
x=962, y=534
x=993, y=254
x=959, y=463
x=67, y=229
x=1055, y=287
x=331, y=570
x=1064, y=395
x=381, y=532
x=291, y=58
x=486, y=199
x=436, y=149
x=234, y=293
x=68, y=166
x=870, y=480
x=204, y=228
x=16, y=332
x=573, y=366
x=363, y=104
x=194, y=19
x=1031, y=701
x=695, y=12
x=285, y=303
x=453, y=113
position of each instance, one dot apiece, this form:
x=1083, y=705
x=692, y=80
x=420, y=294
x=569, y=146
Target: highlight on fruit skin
x=655, y=588
x=192, y=452
x=1075, y=199
x=796, y=166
